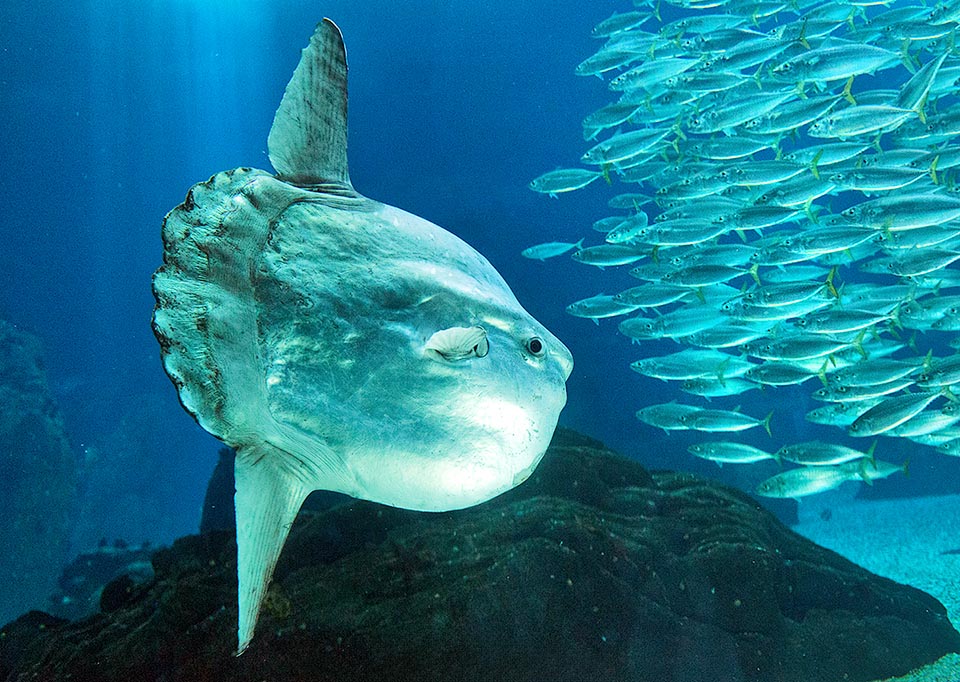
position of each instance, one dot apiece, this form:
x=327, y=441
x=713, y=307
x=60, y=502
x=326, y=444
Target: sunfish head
x=470, y=386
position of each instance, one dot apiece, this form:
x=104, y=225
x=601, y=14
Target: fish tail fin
x=267, y=500
x=677, y=129
x=721, y=369
x=847, y=91
x=766, y=423
x=912, y=342
x=906, y=468
x=829, y=283
x=910, y=62
x=858, y=342
x=895, y=319
x=853, y=12
x=822, y=373
x=933, y=169
x=864, y=475
x=813, y=163
x=802, y=38
x=873, y=460
x=919, y=109
x=755, y=273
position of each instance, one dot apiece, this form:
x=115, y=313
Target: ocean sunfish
x=342, y=344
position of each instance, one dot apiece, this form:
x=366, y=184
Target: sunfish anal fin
x=308, y=140
x=268, y=497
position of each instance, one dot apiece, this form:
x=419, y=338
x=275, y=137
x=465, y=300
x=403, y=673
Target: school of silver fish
x=791, y=211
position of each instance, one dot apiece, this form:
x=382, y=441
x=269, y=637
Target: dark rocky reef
x=595, y=569
x=38, y=486
x=82, y=587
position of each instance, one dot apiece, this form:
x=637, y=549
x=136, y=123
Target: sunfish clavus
x=342, y=344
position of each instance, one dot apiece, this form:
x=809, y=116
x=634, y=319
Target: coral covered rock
x=594, y=569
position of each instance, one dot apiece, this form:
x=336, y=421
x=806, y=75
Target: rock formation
x=594, y=569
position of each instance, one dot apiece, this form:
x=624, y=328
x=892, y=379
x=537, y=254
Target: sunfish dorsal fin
x=308, y=140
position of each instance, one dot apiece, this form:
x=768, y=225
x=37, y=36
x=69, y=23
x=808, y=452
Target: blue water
x=111, y=110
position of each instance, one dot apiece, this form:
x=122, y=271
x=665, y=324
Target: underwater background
x=111, y=110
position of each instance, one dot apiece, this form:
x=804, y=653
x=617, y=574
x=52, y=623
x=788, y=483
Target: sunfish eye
x=535, y=346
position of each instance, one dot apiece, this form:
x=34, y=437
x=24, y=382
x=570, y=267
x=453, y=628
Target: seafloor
x=907, y=540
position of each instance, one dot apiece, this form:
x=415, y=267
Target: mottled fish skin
x=563, y=180
x=628, y=229
x=710, y=388
x=905, y=212
x=835, y=63
x=859, y=120
x=890, y=413
x=785, y=293
x=692, y=364
x=840, y=414
x=550, y=249
x=779, y=373
x=940, y=372
x=874, y=371
x=652, y=295
x=821, y=453
x=722, y=421
x=609, y=116
x=609, y=255
x=730, y=452
x=600, y=306
x=647, y=74
x=666, y=416
x=803, y=481
x=619, y=22
x=873, y=179
x=624, y=146
x=615, y=57
x=858, y=390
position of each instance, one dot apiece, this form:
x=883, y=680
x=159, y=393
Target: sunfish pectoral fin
x=267, y=500
x=308, y=140
x=457, y=343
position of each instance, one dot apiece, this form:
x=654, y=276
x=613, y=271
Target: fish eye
x=535, y=346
